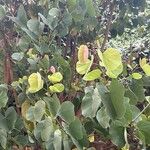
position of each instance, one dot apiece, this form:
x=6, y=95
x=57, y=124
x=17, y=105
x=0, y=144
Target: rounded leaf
x=111, y=60
x=136, y=76
x=36, y=83
x=92, y=75
x=55, y=77
x=57, y=88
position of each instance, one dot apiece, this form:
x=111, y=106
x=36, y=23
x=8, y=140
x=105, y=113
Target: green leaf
x=21, y=16
x=44, y=129
x=71, y=4
x=66, y=142
x=17, y=56
x=53, y=104
x=106, y=100
x=55, y=77
x=57, y=88
x=3, y=138
x=54, y=12
x=133, y=98
x=117, y=135
x=39, y=110
x=90, y=8
x=2, y=12
x=117, y=91
x=92, y=75
x=57, y=140
x=65, y=66
x=144, y=127
x=3, y=98
x=10, y=118
x=138, y=89
x=34, y=26
x=75, y=129
x=30, y=114
x=103, y=118
x=90, y=102
x=66, y=112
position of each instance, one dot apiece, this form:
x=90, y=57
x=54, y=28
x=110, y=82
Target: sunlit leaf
x=136, y=76
x=111, y=60
x=56, y=88
x=55, y=77
x=92, y=75
x=36, y=83
x=145, y=66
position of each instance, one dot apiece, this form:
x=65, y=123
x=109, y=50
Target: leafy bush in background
x=74, y=74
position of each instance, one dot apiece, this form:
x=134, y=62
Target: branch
x=109, y=22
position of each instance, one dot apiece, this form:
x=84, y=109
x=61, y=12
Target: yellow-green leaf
x=136, y=76
x=24, y=108
x=145, y=66
x=35, y=82
x=111, y=60
x=55, y=77
x=92, y=75
x=83, y=54
x=83, y=67
x=57, y=88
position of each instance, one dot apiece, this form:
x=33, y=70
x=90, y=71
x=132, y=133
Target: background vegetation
x=74, y=74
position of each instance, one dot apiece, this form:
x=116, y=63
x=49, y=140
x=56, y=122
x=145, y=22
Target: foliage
x=71, y=80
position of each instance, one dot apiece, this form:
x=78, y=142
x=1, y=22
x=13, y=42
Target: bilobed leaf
x=111, y=60
x=92, y=75
x=117, y=91
x=66, y=112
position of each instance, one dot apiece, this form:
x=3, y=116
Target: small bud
x=52, y=69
